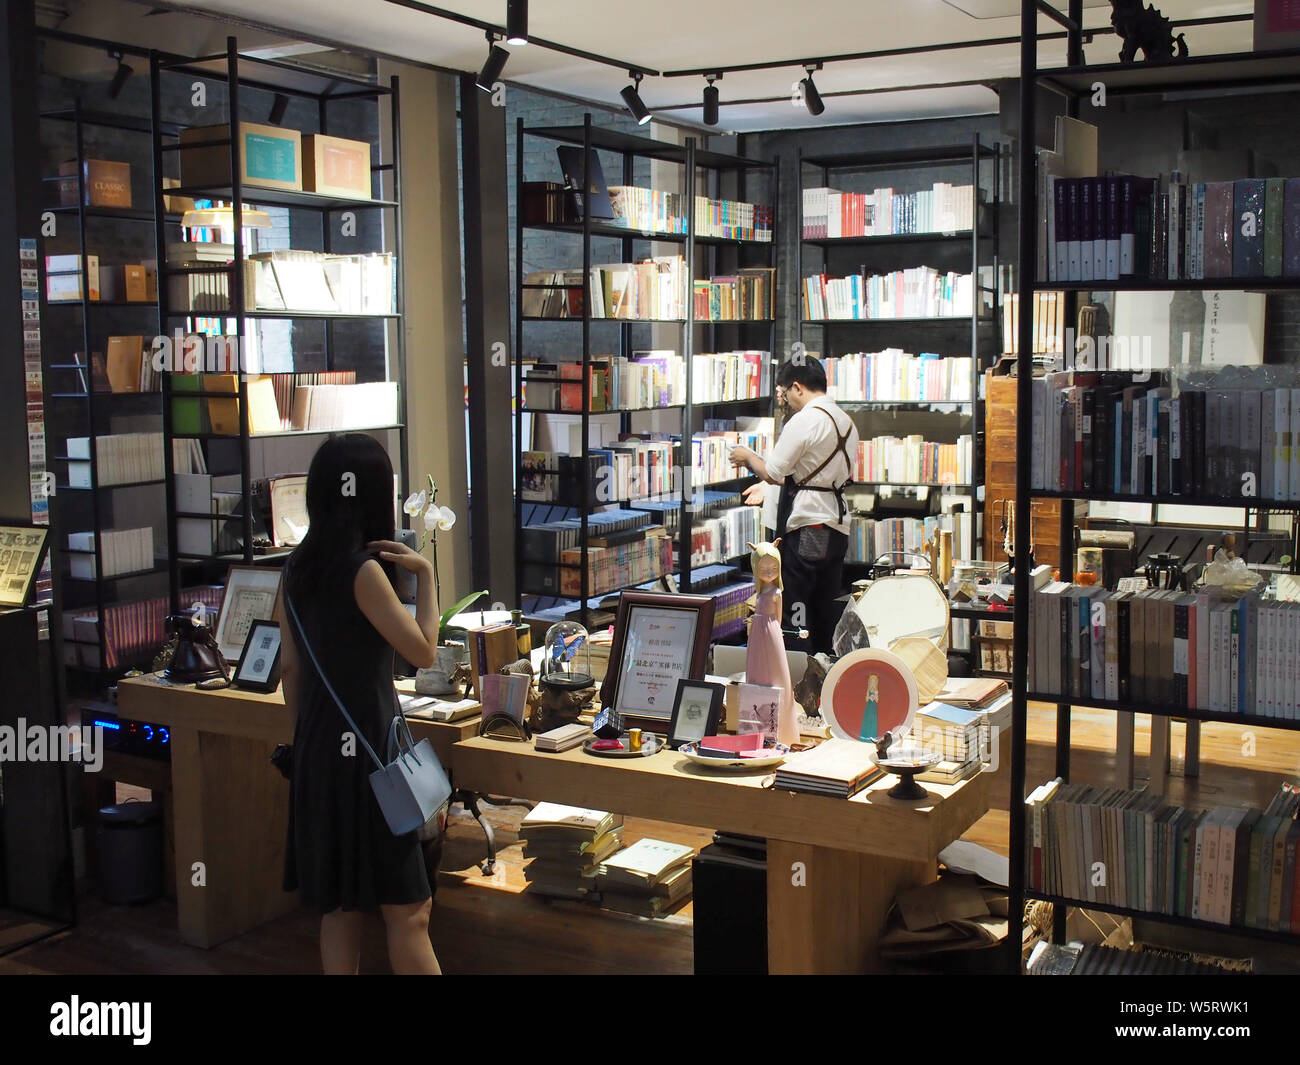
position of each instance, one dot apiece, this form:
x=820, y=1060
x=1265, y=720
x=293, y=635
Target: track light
x=493, y=65
x=516, y=21
x=812, y=99
x=120, y=75
x=278, y=107
x=632, y=100
x=711, y=100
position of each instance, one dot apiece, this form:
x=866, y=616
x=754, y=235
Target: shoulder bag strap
x=302, y=639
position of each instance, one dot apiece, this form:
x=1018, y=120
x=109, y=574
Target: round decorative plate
x=626, y=752
x=776, y=757
x=844, y=694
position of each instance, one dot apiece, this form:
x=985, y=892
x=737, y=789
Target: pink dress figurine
x=765, y=661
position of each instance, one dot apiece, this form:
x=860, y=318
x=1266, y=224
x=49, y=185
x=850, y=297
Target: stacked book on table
x=648, y=878
x=964, y=724
x=835, y=767
x=563, y=738
x=567, y=845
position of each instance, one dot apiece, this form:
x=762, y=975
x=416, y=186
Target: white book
x=1111, y=679
x=1281, y=454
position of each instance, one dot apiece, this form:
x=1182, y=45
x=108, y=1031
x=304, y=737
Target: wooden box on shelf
x=333, y=166
x=269, y=157
x=1000, y=477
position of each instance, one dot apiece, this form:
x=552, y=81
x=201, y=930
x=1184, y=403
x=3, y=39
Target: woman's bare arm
x=414, y=638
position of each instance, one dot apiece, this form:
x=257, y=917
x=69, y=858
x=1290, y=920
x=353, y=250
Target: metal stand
x=470, y=800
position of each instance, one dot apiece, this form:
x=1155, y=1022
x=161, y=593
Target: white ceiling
x=690, y=34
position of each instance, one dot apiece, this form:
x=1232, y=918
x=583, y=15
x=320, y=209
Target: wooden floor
x=491, y=925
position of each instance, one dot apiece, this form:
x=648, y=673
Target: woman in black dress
x=341, y=855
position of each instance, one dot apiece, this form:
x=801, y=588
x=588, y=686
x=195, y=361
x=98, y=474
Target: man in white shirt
x=813, y=461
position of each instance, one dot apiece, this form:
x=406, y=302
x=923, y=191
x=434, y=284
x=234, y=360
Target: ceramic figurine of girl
x=765, y=661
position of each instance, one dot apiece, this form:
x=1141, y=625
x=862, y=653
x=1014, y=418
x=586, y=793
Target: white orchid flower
x=414, y=504
x=446, y=518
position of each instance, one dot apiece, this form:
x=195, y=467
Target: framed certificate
x=21, y=550
x=251, y=593
x=658, y=640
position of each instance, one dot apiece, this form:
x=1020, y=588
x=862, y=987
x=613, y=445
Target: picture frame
x=252, y=594
x=259, y=663
x=658, y=640
x=22, y=549
x=697, y=710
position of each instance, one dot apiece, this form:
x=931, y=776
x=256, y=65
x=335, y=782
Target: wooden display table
x=230, y=807
x=834, y=866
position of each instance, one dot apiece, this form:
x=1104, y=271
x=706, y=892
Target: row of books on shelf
x=869, y=537
x=746, y=296
x=831, y=213
x=638, y=467
x=894, y=375
x=577, y=853
x=608, y=568
x=914, y=460
x=545, y=541
x=282, y=401
x=648, y=379
x=120, y=458
x=1167, y=228
x=133, y=632
x=286, y=280
x=1049, y=323
x=730, y=604
x=202, y=493
x=649, y=289
x=918, y=292
x=125, y=283
x=122, y=551
x=123, y=367
x=635, y=207
x=720, y=538
x=1230, y=434
x=1131, y=848
x=1161, y=648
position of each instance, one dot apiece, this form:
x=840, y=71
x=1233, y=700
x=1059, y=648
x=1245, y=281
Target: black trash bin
x=131, y=852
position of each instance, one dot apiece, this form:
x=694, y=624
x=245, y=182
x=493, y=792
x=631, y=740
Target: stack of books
x=832, y=213
x=563, y=738
x=648, y=878
x=964, y=725
x=648, y=290
x=749, y=295
x=835, y=767
x=614, y=567
x=869, y=538
x=893, y=375
x=1228, y=865
x=566, y=845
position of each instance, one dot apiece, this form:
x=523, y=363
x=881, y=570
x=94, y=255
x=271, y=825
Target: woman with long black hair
x=341, y=855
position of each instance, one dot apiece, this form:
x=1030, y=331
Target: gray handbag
x=412, y=786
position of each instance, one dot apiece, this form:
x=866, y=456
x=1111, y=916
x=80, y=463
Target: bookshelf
x=709, y=252
x=943, y=234
x=1073, y=82
x=94, y=585
x=321, y=342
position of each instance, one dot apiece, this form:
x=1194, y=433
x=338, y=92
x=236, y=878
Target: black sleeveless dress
x=340, y=851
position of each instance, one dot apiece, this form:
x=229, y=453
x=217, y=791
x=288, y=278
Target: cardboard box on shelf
x=333, y=166
x=269, y=157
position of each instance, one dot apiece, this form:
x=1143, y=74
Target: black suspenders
x=791, y=486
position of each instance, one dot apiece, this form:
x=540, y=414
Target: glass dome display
x=567, y=660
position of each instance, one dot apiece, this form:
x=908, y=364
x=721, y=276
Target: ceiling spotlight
x=493, y=65
x=711, y=100
x=812, y=99
x=632, y=100
x=120, y=75
x=278, y=107
x=516, y=21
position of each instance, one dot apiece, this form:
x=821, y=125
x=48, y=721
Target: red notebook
x=748, y=741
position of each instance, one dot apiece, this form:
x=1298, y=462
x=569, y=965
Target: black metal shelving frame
x=1074, y=81
x=982, y=240
x=630, y=147
x=98, y=406
x=238, y=71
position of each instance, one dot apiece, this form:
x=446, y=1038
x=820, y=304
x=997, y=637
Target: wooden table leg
x=826, y=908
x=231, y=820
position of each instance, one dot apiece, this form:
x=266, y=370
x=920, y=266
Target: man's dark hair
x=804, y=370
